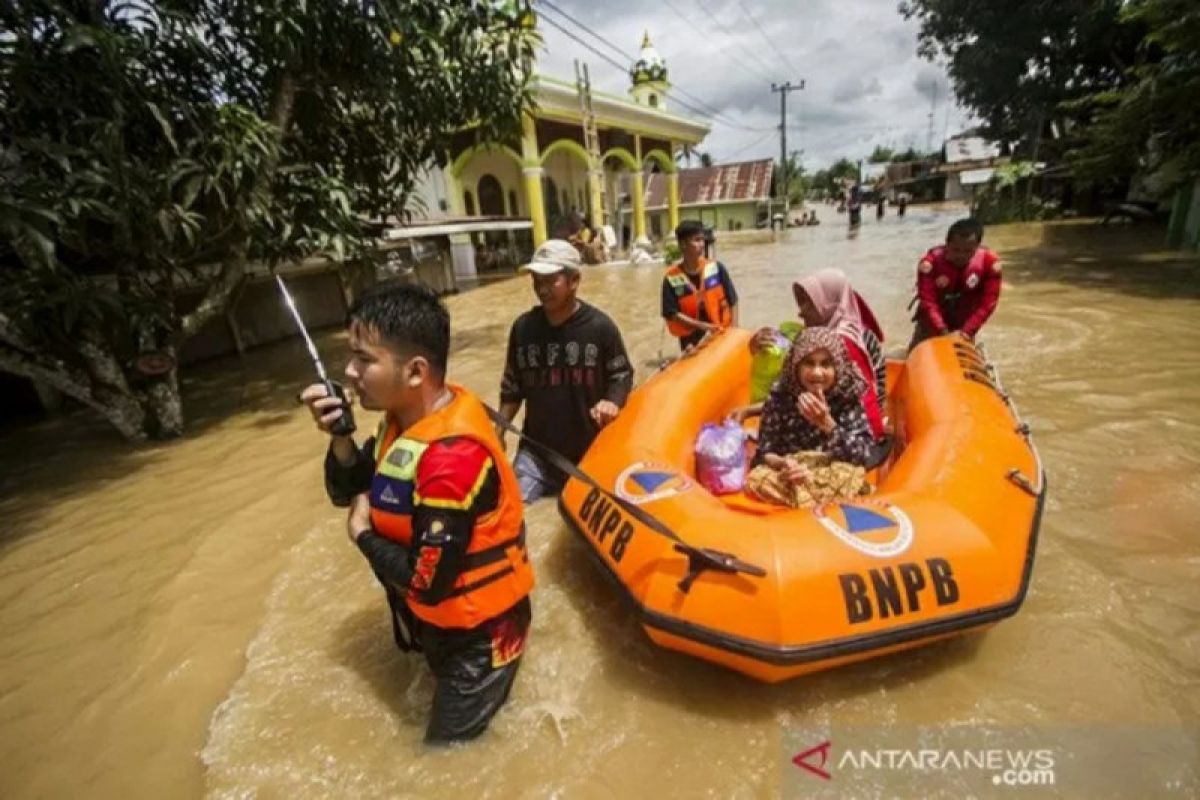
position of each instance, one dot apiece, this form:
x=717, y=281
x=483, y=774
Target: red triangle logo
x=803, y=760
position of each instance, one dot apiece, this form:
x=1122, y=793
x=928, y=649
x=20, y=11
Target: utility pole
x=783, y=162
x=932, y=113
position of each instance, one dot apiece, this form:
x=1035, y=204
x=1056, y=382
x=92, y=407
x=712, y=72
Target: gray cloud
x=865, y=84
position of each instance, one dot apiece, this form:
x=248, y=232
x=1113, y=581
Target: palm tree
x=685, y=153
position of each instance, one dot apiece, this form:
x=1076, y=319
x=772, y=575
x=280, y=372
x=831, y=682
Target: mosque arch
x=491, y=196
x=664, y=161
x=570, y=146
x=464, y=158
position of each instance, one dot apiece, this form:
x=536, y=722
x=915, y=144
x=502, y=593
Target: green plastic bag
x=767, y=364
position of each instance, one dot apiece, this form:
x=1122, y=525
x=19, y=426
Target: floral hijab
x=848, y=384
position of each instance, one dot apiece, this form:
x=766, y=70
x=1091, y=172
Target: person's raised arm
x=851, y=439
x=348, y=469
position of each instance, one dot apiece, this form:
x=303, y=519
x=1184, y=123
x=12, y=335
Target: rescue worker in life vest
x=697, y=294
x=434, y=507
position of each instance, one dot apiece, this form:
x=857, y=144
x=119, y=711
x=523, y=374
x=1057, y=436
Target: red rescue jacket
x=958, y=299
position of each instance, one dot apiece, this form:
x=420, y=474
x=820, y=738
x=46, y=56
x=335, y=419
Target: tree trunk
x=160, y=400
x=164, y=406
x=117, y=405
x=110, y=388
x=1039, y=122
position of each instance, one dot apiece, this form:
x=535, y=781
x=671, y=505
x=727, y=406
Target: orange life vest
x=711, y=293
x=496, y=573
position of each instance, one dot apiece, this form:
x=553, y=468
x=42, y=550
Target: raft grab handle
x=1018, y=478
x=702, y=558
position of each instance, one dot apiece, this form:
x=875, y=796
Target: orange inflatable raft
x=944, y=544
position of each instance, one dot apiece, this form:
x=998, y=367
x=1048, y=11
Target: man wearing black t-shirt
x=567, y=363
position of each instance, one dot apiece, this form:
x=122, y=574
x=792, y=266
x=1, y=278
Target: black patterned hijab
x=848, y=382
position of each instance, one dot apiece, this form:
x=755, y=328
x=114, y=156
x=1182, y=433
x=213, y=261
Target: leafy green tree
x=685, y=153
x=911, y=154
x=881, y=155
x=825, y=182
x=153, y=151
x=1151, y=121
x=798, y=183
x=1014, y=67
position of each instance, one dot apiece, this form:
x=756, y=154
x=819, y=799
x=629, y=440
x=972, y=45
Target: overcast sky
x=865, y=84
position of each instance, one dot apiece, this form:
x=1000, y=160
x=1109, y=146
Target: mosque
x=494, y=202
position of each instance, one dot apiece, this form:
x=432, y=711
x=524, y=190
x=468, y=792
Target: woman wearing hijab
x=814, y=442
x=826, y=299
x=815, y=404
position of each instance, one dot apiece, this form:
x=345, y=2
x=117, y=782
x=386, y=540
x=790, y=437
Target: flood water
x=188, y=619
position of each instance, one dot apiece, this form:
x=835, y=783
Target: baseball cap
x=553, y=256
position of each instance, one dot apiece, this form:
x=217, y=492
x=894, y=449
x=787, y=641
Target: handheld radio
x=343, y=425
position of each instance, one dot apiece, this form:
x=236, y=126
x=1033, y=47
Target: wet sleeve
x=342, y=483
x=727, y=283
x=851, y=440
x=510, y=382
x=990, y=296
x=670, y=303
x=391, y=561
x=456, y=482
x=617, y=367
x=927, y=296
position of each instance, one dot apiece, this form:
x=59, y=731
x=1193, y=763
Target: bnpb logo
x=644, y=482
x=883, y=530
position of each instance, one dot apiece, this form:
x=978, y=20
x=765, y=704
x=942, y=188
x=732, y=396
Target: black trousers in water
x=470, y=687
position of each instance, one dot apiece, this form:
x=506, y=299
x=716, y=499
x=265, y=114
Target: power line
x=723, y=28
x=745, y=64
x=679, y=91
x=766, y=38
x=714, y=116
x=587, y=30
x=750, y=146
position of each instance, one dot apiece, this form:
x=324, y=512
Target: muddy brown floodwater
x=189, y=619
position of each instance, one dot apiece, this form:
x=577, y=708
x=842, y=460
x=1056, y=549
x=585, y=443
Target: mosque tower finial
x=649, y=76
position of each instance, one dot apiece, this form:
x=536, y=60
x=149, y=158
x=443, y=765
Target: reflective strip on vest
x=496, y=573
x=711, y=293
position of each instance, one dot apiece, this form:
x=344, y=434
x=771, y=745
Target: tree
x=1151, y=122
x=911, y=154
x=154, y=150
x=706, y=160
x=1015, y=69
x=829, y=181
x=881, y=155
x=798, y=183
